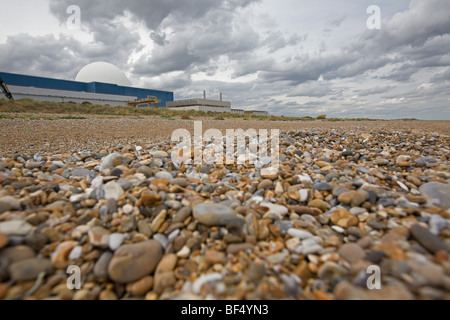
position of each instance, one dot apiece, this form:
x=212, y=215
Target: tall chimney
x=204, y=94
x=221, y=96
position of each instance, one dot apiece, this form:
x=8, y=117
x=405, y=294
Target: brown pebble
x=213, y=257
x=3, y=240
x=140, y=287
x=235, y=248
x=343, y=218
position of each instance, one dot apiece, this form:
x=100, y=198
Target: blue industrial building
x=48, y=89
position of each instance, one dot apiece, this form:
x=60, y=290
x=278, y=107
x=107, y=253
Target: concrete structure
x=240, y=111
x=204, y=104
x=113, y=93
x=257, y=113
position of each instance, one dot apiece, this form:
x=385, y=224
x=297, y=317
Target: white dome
x=102, y=72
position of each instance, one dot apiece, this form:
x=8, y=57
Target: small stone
x=116, y=240
x=3, y=240
x=204, y=279
x=297, y=233
x=269, y=173
x=158, y=221
x=184, y=252
x=343, y=218
x=16, y=253
x=323, y=186
x=101, y=266
x=164, y=276
x=182, y=214
x=256, y=272
x=320, y=204
x=15, y=228
x=213, y=257
x=403, y=159
x=212, y=214
x=277, y=258
x=265, y=184
x=113, y=190
x=140, y=287
x=437, y=194
x=60, y=258
x=159, y=154
x=437, y=224
x=108, y=162
x=433, y=274
x=377, y=225
x=144, y=228
x=76, y=253
x=238, y=247
x=99, y=237
x=150, y=198
x=330, y=270
x=275, y=209
x=134, y=261
x=375, y=257
x=29, y=270
x=164, y=175
x=127, y=209
x=107, y=295
x=428, y=240
x=351, y=252
x=128, y=224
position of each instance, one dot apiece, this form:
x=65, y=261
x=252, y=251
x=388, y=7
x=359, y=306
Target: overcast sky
x=288, y=57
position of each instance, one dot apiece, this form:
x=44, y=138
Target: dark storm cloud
x=152, y=12
x=196, y=47
x=42, y=55
x=64, y=56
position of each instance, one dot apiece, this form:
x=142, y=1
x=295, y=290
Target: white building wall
x=40, y=94
x=203, y=108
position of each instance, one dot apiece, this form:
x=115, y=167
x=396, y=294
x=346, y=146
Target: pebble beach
x=102, y=194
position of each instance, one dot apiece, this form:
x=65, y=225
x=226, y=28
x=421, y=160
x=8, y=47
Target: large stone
x=28, y=270
x=150, y=198
x=113, y=190
x=319, y=204
x=164, y=275
x=99, y=237
x=101, y=266
x=10, y=203
x=437, y=194
x=351, y=252
x=182, y=214
x=141, y=287
x=17, y=253
x=164, y=175
x=3, y=240
x=428, y=240
x=343, y=218
x=15, y=228
x=213, y=214
x=134, y=261
x=108, y=162
x=276, y=209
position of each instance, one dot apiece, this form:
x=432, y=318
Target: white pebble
x=184, y=253
x=301, y=234
x=338, y=229
x=76, y=253
x=198, y=284
x=127, y=209
x=116, y=240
